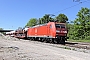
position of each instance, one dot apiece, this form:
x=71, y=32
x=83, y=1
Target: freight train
x=52, y=32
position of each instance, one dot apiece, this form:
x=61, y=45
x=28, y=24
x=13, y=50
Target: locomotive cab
x=61, y=29
x=61, y=32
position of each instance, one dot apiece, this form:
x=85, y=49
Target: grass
x=67, y=48
x=79, y=40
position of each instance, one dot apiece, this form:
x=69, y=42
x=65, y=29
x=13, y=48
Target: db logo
x=35, y=30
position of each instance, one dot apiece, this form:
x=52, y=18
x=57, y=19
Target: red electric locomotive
x=50, y=32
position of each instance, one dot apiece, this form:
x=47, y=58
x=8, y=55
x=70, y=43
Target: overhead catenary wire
x=80, y=2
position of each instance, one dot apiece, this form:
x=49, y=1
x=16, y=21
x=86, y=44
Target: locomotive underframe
x=56, y=40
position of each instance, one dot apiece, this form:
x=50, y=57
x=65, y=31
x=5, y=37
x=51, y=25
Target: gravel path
x=33, y=50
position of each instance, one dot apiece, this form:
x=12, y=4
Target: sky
x=16, y=13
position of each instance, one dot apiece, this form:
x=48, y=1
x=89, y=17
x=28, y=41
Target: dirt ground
x=33, y=50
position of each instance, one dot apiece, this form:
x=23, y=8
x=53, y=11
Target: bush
x=87, y=38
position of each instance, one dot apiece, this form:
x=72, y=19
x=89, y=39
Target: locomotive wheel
x=36, y=39
x=45, y=40
x=62, y=41
x=42, y=40
x=56, y=41
x=32, y=39
x=51, y=40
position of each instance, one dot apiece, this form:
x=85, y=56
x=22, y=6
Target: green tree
x=82, y=24
x=32, y=22
x=70, y=30
x=2, y=32
x=62, y=18
x=46, y=18
x=1, y=28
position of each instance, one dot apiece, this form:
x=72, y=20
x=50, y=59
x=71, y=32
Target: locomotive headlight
x=63, y=31
x=57, y=31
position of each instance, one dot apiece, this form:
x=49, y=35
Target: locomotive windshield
x=60, y=25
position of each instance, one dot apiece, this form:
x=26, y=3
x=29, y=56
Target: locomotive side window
x=60, y=25
x=50, y=26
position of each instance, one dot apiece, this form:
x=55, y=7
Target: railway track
x=80, y=45
x=76, y=46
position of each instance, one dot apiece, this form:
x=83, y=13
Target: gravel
x=7, y=37
x=14, y=49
